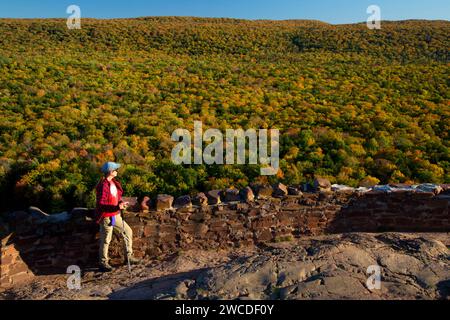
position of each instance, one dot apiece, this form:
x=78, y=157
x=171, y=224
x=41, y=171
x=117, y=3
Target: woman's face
x=113, y=174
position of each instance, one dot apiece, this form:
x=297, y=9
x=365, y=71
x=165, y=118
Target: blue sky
x=333, y=11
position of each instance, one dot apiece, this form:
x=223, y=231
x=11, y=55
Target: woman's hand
x=123, y=205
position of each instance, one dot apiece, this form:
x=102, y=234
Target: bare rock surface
x=413, y=266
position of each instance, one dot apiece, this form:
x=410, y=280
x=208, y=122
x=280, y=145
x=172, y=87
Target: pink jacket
x=105, y=206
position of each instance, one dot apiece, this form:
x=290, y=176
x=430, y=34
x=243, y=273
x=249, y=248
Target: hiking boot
x=105, y=267
x=134, y=260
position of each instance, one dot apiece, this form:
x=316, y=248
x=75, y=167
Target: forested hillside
x=352, y=104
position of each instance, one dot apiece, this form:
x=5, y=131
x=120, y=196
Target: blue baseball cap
x=110, y=166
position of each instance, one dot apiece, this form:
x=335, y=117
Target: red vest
x=107, y=204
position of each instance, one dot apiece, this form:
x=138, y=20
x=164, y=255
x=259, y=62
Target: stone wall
x=13, y=269
x=33, y=243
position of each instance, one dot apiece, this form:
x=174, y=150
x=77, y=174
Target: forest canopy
x=352, y=104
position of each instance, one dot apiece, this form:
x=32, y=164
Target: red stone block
x=247, y=243
x=133, y=205
x=223, y=229
x=9, y=250
x=188, y=227
x=18, y=267
x=167, y=228
x=7, y=260
x=263, y=222
x=263, y=235
x=5, y=282
x=137, y=231
x=167, y=236
x=168, y=247
x=150, y=230
x=183, y=216
x=132, y=219
x=253, y=212
x=422, y=195
x=218, y=221
x=138, y=254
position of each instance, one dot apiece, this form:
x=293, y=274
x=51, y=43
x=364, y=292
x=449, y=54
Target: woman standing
x=109, y=205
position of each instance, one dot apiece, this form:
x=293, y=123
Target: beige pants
x=106, y=233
